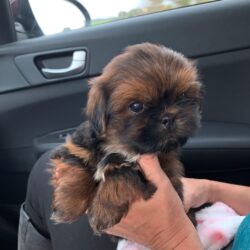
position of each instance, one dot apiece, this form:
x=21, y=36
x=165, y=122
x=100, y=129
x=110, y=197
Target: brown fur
x=70, y=199
x=96, y=169
x=173, y=169
x=114, y=196
x=77, y=151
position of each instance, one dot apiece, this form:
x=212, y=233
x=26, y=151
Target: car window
x=45, y=17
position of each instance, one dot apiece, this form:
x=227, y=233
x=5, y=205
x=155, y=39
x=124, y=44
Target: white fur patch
x=100, y=172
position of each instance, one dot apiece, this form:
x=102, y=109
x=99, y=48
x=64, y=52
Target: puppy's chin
x=173, y=144
x=163, y=146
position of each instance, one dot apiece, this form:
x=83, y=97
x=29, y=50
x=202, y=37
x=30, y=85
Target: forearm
x=235, y=196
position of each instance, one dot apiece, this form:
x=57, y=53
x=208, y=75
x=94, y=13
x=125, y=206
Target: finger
x=116, y=230
x=112, y=230
x=186, y=207
x=185, y=198
x=151, y=168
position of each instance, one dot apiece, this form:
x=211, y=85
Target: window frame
x=7, y=26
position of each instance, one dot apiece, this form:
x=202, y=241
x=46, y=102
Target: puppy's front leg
x=72, y=181
x=174, y=170
x=120, y=187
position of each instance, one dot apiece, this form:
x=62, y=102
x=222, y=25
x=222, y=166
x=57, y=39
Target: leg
x=174, y=170
x=28, y=236
x=75, y=236
x=121, y=187
x=73, y=191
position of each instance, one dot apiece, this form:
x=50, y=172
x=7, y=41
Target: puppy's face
x=147, y=98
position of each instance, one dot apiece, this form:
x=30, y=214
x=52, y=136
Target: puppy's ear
x=200, y=86
x=96, y=109
x=201, y=97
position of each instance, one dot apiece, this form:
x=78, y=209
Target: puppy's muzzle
x=168, y=120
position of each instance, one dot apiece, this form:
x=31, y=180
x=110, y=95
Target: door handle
x=77, y=66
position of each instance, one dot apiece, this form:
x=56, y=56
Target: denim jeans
x=28, y=236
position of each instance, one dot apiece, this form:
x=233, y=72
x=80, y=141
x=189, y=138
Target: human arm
x=200, y=191
x=159, y=223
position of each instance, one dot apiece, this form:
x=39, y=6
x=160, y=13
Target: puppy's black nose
x=166, y=120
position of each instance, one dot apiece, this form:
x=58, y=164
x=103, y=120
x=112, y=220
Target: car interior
x=42, y=100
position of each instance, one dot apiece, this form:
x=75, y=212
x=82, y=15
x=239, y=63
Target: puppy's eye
x=136, y=107
x=182, y=97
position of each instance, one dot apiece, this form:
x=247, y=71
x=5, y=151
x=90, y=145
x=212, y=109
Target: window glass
x=55, y=16
x=45, y=17
x=111, y=10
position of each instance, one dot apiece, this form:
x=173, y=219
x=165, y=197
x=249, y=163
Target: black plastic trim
x=30, y=70
x=213, y=136
x=7, y=27
x=221, y=135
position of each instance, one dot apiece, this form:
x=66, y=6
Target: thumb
x=151, y=168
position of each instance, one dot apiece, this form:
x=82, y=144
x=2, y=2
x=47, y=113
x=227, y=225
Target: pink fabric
x=216, y=226
x=128, y=245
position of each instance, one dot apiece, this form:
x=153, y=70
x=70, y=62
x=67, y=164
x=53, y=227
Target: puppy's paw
x=103, y=217
x=115, y=194
x=106, y=210
x=73, y=190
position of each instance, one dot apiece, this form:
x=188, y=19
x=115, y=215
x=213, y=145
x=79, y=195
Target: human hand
x=159, y=223
x=196, y=192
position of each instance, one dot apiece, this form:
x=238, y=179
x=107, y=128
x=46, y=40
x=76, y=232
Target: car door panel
x=36, y=113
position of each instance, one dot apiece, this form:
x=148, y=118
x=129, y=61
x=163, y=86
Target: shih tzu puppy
x=147, y=100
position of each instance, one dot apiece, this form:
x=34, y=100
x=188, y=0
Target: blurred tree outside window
x=34, y=18
x=133, y=8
